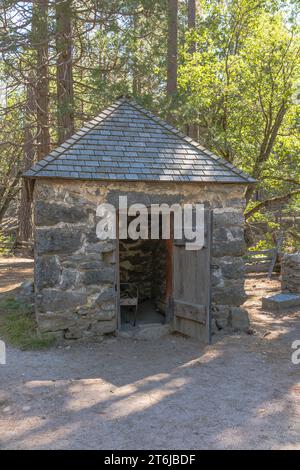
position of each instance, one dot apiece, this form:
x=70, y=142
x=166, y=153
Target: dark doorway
x=142, y=267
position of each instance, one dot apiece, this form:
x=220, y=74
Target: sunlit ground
x=241, y=392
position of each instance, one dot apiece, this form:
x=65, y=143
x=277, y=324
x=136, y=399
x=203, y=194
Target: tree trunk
x=192, y=128
x=25, y=216
x=40, y=44
x=172, y=54
x=192, y=21
x=136, y=78
x=64, y=70
x=271, y=132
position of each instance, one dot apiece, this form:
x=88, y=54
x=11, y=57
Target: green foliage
x=267, y=243
x=240, y=86
x=18, y=326
x=242, y=78
x=6, y=244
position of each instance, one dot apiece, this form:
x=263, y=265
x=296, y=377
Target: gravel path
x=243, y=392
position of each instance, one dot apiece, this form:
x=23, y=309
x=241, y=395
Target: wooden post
x=169, y=275
x=117, y=274
x=209, y=221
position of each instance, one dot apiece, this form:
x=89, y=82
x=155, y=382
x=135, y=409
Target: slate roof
x=127, y=142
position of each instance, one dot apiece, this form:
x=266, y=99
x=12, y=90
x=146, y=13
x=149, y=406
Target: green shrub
x=6, y=244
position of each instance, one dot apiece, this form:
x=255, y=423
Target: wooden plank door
x=191, y=287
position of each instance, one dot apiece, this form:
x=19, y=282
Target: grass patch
x=18, y=326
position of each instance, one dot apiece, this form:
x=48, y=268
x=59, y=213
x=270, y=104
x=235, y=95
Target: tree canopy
x=226, y=72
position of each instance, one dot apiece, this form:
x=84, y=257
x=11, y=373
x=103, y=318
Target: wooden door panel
x=190, y=311
x=191, y=286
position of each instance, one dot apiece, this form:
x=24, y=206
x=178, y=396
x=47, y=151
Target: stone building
x=128, y=151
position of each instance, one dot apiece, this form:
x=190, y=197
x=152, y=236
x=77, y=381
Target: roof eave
x=148, y=180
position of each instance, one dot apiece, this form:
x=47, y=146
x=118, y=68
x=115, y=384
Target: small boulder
x=239, y=319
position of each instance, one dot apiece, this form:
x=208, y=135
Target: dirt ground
x=13, y=271
x=243, y=392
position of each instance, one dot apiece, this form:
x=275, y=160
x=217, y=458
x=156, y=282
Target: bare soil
x=14, y=271
x=243, y=392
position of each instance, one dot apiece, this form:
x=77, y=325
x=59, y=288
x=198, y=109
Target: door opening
x=142, y=265
x=159, y=281
x=143, y=282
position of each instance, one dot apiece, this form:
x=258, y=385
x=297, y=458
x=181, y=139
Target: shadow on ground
x=242, y=392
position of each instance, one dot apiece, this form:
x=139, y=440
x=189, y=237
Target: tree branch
x=271, y=202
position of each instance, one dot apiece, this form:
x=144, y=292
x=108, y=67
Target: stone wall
x=136, y=265
x=159, y=279
x=290, y=273
x=228, y=270
x=75, y=272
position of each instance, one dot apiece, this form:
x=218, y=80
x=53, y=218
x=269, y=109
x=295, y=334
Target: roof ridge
x=189, y=140
x=87, y=127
